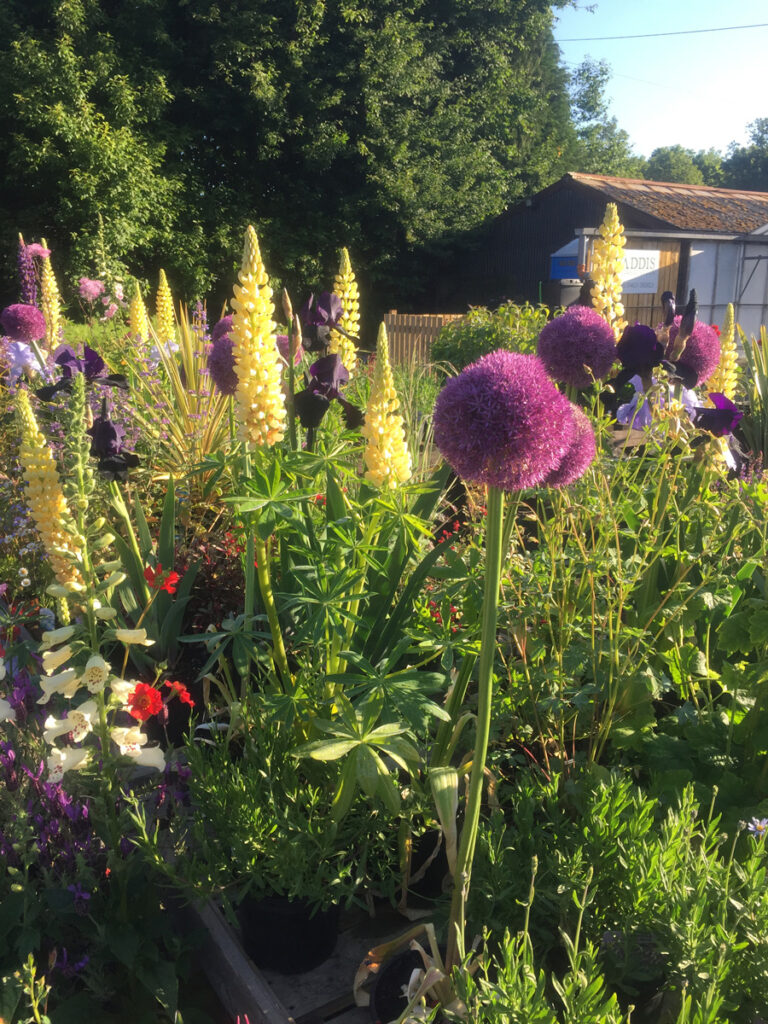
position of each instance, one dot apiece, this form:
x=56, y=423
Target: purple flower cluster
x=580, y=454
x=577, y=347
x=22, y=322
x=27, y=271
x=701, y=354
x=221, y=361
x=502, y=422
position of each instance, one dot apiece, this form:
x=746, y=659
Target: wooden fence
x=411, y=334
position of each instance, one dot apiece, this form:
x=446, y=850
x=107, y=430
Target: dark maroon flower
x=319, y=319
x=91, y=365
x=577, y=347
x=328, y=376
x=502, y=422
x=580, y=454
x=107, y=447
x=721, y=420
x=701, y=354
x=21, y=322
x=639, y=349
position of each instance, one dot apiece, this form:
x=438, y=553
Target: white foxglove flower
x=96, y=673
x=68, y=759
x=122, y=689
x=79, y=722
x=128, y=738
x=53, y=659
x=133, y=636
x=7, y=713
x=65, y=683
x=52, y=637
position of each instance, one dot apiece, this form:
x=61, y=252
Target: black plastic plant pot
x=388, y=996
x=283, y=935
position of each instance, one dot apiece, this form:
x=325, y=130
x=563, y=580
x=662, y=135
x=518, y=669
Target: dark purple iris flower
x=318, y=319
x=720, y=421
x=92, y=365
x=327, y=377
x=639, y=350
x=107, y=447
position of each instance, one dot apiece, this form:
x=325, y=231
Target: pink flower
x=23, y=323
x=109, y=312
x=90, y=290
x=579, y=456
x=35, y=249
x=577, y=347
x=702, y=350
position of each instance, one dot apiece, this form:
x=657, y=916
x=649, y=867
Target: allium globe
x=580, y=454
x=502, y=422
x=702, y=350
x=224, y=326
x=23, y=323
x=221, y=362
x=577, y=347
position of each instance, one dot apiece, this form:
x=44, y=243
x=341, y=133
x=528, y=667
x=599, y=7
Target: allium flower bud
x=345, y=286
x=387, y=458
x=577, y=347
x=260, y=400
x=23, y=323
x=502, y=422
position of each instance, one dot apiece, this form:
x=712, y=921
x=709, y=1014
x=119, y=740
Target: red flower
x=179, y=690
x=144, y=702
x=161, y=581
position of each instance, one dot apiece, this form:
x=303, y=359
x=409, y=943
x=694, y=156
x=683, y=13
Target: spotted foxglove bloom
x=65, y=683
x=502, y=422
x=53, y=637
x=133, y=636
x=138, y=321
x=122, y=689
x=387, y=459
x=79, y=722
x=260, y=402
x=65, y=760
x=128, y=738
x=96, y=674
x=54, y=659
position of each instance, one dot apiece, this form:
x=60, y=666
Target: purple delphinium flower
x=90, y=290
x=24, y=323
x=327, y=376
x=577, y=347
x=721, y=420
x=701, y=354
x=580, y=454
x=502, y=422
x=221, y=360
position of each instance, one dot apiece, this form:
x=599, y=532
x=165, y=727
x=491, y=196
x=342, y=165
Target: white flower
x=52, y=637
x=68, y=759
x=96, y=673
x=65, y=683
x=105, y=613
x=78, y=722
x=133, y=636
x=147, y=757
x=2, y=669
x=53, y=659
x=122, y=689
x=128, y=738
x=7, y=713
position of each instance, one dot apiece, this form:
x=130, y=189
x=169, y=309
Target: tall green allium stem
x=493, y=562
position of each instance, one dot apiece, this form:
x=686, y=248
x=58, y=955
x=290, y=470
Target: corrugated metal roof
x=683, y=207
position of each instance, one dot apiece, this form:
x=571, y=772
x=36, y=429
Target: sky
x=698, y=90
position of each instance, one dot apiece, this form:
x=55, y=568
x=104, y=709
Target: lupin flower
x=23, y=323
x=502, y=422
x=260, y=400
x=327, y=376
x=580, y=453
x=345, y=286
x=726, y=376
x=27, y=273
x=387, y=458
x=166, y=320
x=607, y=264
x=577, y=347
x=221, y=359
x=50, y=301
x=45, y=498
x=138, y=322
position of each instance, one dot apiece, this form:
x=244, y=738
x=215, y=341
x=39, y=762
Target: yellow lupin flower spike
x=166, y=321
x=345, y=286
x=387, y=458
x=726, y=376
x=45, y=499
x=607, y=264
x=50, y=301
x=138, y=321
x=260, y=400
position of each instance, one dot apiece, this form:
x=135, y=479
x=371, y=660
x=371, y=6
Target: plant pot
x=284, y=935
x=429, y=867
x=388, y=999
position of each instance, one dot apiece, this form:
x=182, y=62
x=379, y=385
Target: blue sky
x=698, y=90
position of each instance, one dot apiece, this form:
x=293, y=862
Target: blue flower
x=758, y=827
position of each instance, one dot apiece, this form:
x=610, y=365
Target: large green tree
x=383, y=125
x=747, y=166
x=599, y=145
x=673, y=163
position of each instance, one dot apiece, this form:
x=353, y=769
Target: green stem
x=267, y=595
x=438, y=755
x=493, y=560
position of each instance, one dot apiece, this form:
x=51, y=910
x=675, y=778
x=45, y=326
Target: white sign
x=640, y=275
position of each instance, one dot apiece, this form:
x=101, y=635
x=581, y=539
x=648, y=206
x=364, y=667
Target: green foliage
x=511, y=326
x=599, y=146
x=673, y=163
x=747, y=166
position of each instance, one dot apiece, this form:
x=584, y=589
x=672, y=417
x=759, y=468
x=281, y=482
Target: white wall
x=720, y=274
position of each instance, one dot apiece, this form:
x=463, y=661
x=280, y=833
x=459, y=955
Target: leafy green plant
x=511, y=326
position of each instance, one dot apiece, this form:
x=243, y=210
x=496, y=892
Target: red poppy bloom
x=144, y=702
x=179, y=690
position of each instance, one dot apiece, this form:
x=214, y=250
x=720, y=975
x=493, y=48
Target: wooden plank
x=645, y=308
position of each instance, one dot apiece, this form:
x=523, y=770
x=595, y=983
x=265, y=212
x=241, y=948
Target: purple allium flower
x=577, y=347
x=580, y=454
x=502, y=422
x=721, y=420
x=639, y=349
x=221, y=360
x=90, y=290
x=701, y=354
x=27, y=276
x=21, y=322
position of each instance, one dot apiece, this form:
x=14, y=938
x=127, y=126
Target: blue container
x=562, y=266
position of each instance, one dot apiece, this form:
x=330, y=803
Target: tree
x=747, y=166
x=710, y=163
x=673, y=163
x=600, y=146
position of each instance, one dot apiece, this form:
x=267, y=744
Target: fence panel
x=411, y=334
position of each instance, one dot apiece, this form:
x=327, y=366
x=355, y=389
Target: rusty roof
x=683, y=207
